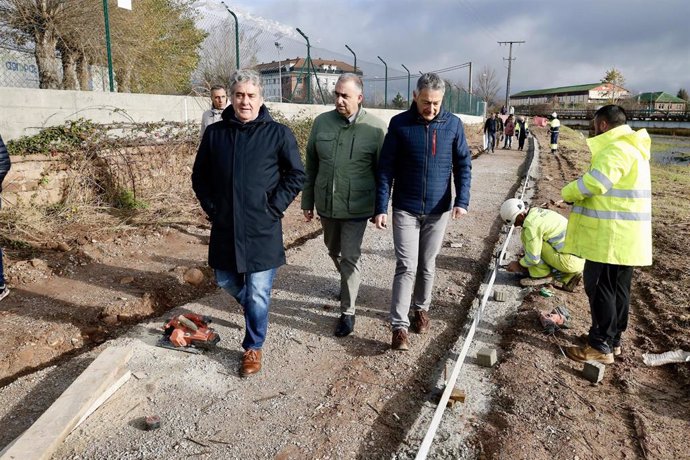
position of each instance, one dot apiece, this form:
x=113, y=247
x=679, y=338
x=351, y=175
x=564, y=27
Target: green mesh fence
x=185, y=47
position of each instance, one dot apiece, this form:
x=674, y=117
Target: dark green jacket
x=341, y=165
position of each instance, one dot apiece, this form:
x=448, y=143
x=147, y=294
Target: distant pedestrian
x=219, y=101
x=342, y=153
x=5, y=165
x=246, y=173
x=610, y=226
x=509, y=131
x=490, y=126
x=521, y=131
x=499, y=129
x=424, y=150
x=554, y=130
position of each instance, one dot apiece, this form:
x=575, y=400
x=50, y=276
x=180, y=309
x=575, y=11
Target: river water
x=667, y=149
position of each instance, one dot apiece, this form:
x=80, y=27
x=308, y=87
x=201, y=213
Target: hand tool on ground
x=190, y=333
x=558, y=318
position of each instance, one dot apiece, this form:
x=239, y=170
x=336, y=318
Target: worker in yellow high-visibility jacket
x=543, y=237
x=610, y=226
x=554, y=130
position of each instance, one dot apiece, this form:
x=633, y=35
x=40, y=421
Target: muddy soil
x=545, y=409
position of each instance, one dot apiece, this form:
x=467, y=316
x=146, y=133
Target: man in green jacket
x=610, y=226
x=342, y=154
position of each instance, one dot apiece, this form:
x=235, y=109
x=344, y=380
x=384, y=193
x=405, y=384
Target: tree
x=486, y=85
x=24, y=21
x=614, y=78
x=399, y=102
x=683, y=94
x=155, y=46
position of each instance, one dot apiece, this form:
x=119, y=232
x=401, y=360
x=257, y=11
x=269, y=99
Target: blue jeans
x=253, y=292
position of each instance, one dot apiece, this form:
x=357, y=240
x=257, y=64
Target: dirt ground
x=545, y=409
x=348, y=398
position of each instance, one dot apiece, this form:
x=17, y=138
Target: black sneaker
x=345, y=326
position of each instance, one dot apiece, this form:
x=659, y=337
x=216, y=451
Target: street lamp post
x=308, y=65
x=353, y=53
x=237, y=36
x=408, y=83
x=385, y=90
x=280, y=71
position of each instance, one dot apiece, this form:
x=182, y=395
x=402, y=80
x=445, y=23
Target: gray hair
x=351, y=77
x=431, y=81
x=246, y=76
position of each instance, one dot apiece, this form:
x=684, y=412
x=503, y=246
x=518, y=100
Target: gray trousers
x=343, y=239
x=417, y=240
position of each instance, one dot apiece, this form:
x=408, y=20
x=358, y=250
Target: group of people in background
x=502, y=128
x=248, y=170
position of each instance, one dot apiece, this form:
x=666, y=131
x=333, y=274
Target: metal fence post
x=385, y=90
x=308, y=65
x=408, y=83
x=107, y=46
x=237, y=36
x=353, y=53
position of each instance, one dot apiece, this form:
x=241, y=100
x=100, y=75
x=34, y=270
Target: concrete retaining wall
x=26, y=111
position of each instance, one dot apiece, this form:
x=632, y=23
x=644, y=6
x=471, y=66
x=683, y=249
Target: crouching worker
x=543, y=237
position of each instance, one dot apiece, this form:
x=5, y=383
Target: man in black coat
x=246, y=173
x=5, y=165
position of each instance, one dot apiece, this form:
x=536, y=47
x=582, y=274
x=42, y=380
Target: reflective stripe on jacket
x=541, y=226
x=611, y=219
x=554, y=125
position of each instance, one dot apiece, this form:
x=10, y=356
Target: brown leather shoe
x=420, y=322
x=588, y=353
x=251, y=363
x=400, y=341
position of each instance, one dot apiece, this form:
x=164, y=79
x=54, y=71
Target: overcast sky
x=567, y=42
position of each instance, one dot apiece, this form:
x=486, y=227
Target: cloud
x=567, y=43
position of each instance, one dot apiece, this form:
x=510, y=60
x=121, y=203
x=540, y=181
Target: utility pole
x=510, y=62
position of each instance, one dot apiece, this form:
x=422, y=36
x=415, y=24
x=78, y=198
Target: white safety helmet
x=555, y=115
x=510, y=209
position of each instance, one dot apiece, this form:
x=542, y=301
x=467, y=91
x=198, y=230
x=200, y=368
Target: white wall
x=24, y=111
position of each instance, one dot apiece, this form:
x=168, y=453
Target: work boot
x=345, y=326
x=400, y=341
x=527, y=282
x=251, y=363
x=572, y=283
x=420, y=322
x=588, y=353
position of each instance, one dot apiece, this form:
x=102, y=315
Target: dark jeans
x=253, y=292
x=608, y=289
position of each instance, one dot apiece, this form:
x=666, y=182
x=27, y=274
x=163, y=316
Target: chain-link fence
x=185, y=47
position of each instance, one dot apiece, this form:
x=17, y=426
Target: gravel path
x=317, y=396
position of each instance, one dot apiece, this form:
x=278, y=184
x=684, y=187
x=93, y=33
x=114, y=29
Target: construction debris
x=486, y=357
x=593, y=371
x=93, y=387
